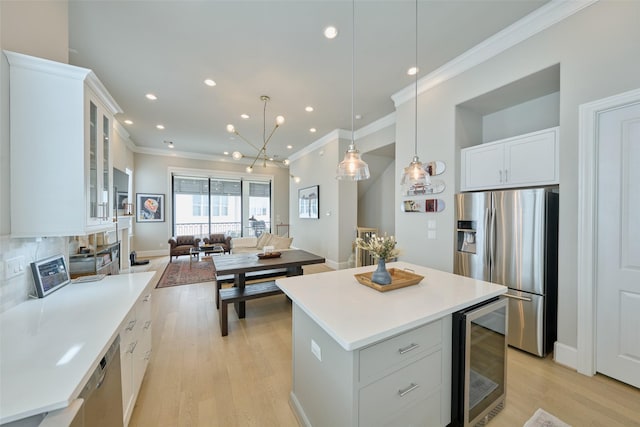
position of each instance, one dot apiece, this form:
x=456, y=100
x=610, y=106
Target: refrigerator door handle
x=488, y=256
x=517, y=297
x=491, y=233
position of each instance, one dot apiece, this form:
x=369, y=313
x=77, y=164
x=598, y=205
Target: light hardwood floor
x=198, y=378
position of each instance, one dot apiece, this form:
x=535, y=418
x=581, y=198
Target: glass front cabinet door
x=99, y=188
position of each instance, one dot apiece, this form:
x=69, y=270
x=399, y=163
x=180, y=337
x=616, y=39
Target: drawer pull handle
x=133, y=346
x=147, y=298
x=147, y=324
x=408, y=390
x=131, y=325
x=147, y=355
x=408, y=348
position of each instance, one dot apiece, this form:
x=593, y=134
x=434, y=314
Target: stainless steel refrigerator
x=511, y=237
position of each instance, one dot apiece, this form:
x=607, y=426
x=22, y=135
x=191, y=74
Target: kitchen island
x=365, y=358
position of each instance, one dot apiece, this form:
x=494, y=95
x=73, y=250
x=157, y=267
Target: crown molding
x=378, y=125
x=197, y=156
x=331, y=136
x=530, y=25
x=382, y=123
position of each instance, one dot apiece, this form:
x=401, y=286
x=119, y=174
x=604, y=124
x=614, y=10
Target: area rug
x=542, y=418
x=179, y=272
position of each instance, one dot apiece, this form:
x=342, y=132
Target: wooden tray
x=270, y=255
x=399, y=279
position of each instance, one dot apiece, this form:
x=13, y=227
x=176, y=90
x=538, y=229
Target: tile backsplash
x=15, y=290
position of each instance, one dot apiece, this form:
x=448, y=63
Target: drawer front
x=393, y=353
x=424, y=413
x=400, y=390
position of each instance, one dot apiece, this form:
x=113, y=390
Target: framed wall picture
x=122, y=199
x=309, y=202
x=149, y=207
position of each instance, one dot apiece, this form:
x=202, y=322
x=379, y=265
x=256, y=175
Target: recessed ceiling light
x=151, y=96
x=128, y=122
x=169, y=144
x=226, y=153
x=308, y=108
x=413, y=71
x=161, y=127
x=330, y=32
x=358, y=116
x=236, y=155
x=312, y=130
x=209, y=82
x=289, y=147
x=244, y=116
x=286, y=162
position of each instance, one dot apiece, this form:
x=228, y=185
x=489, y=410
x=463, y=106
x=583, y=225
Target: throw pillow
x=264, y=240
x=281, y=242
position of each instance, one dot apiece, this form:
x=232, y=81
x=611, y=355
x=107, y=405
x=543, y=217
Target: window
x=203, y=206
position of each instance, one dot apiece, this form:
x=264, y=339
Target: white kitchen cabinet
x=61, y=119
x=522, y=161
x=135, y=351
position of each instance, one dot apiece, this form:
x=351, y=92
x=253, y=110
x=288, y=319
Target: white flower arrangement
x=379, y=246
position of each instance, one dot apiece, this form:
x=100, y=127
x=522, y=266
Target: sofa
x=256, y=244
x=219, y=240
x=181, y=245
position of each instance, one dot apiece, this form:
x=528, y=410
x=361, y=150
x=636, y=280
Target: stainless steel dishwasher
x=103, y=392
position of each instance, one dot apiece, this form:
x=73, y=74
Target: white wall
x=539, y=113
x=374, y=207
x=597, y=52
x=319, y=236
x=152, y=175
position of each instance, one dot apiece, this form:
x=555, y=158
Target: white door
x=618, y=245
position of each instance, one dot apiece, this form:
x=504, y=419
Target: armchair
x=220, y=240
x=180, y=245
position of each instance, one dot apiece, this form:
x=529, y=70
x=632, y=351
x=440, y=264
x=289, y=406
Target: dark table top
x=245, y=263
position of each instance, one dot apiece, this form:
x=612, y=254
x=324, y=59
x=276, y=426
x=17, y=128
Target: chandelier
x=261, y=151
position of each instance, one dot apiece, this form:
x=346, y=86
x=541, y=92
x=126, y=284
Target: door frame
x=589, y=118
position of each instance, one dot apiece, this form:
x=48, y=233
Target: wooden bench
x=235, y=295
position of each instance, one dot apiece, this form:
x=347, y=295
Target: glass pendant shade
x=352, y=167
x=415, y=174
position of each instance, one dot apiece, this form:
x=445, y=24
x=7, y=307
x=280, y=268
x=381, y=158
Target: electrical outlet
x=315, y=349
x=14, y=267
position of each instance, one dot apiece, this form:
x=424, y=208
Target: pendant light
x=415, y=176
x=352, y=167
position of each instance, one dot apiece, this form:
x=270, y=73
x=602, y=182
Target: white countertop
x=355, y=315
x=49, y=347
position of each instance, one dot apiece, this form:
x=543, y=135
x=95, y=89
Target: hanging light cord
x=353, y=64
x=416, y=89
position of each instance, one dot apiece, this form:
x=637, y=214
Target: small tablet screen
x=50, y=274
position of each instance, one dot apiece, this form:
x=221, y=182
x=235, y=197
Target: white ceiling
x=275, y=48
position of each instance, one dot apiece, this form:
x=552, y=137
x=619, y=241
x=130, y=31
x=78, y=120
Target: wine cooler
x=479, y=365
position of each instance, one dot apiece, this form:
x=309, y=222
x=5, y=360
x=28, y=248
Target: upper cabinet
x=526, y=160
x=61, y=119
x=509, y=136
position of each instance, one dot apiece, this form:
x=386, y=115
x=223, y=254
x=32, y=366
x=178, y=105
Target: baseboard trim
x=143, y=254
x=337, y=265
x=298, y=411
x=565, y=355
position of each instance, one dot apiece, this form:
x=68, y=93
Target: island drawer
x=386, y=356
x=401, y=390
